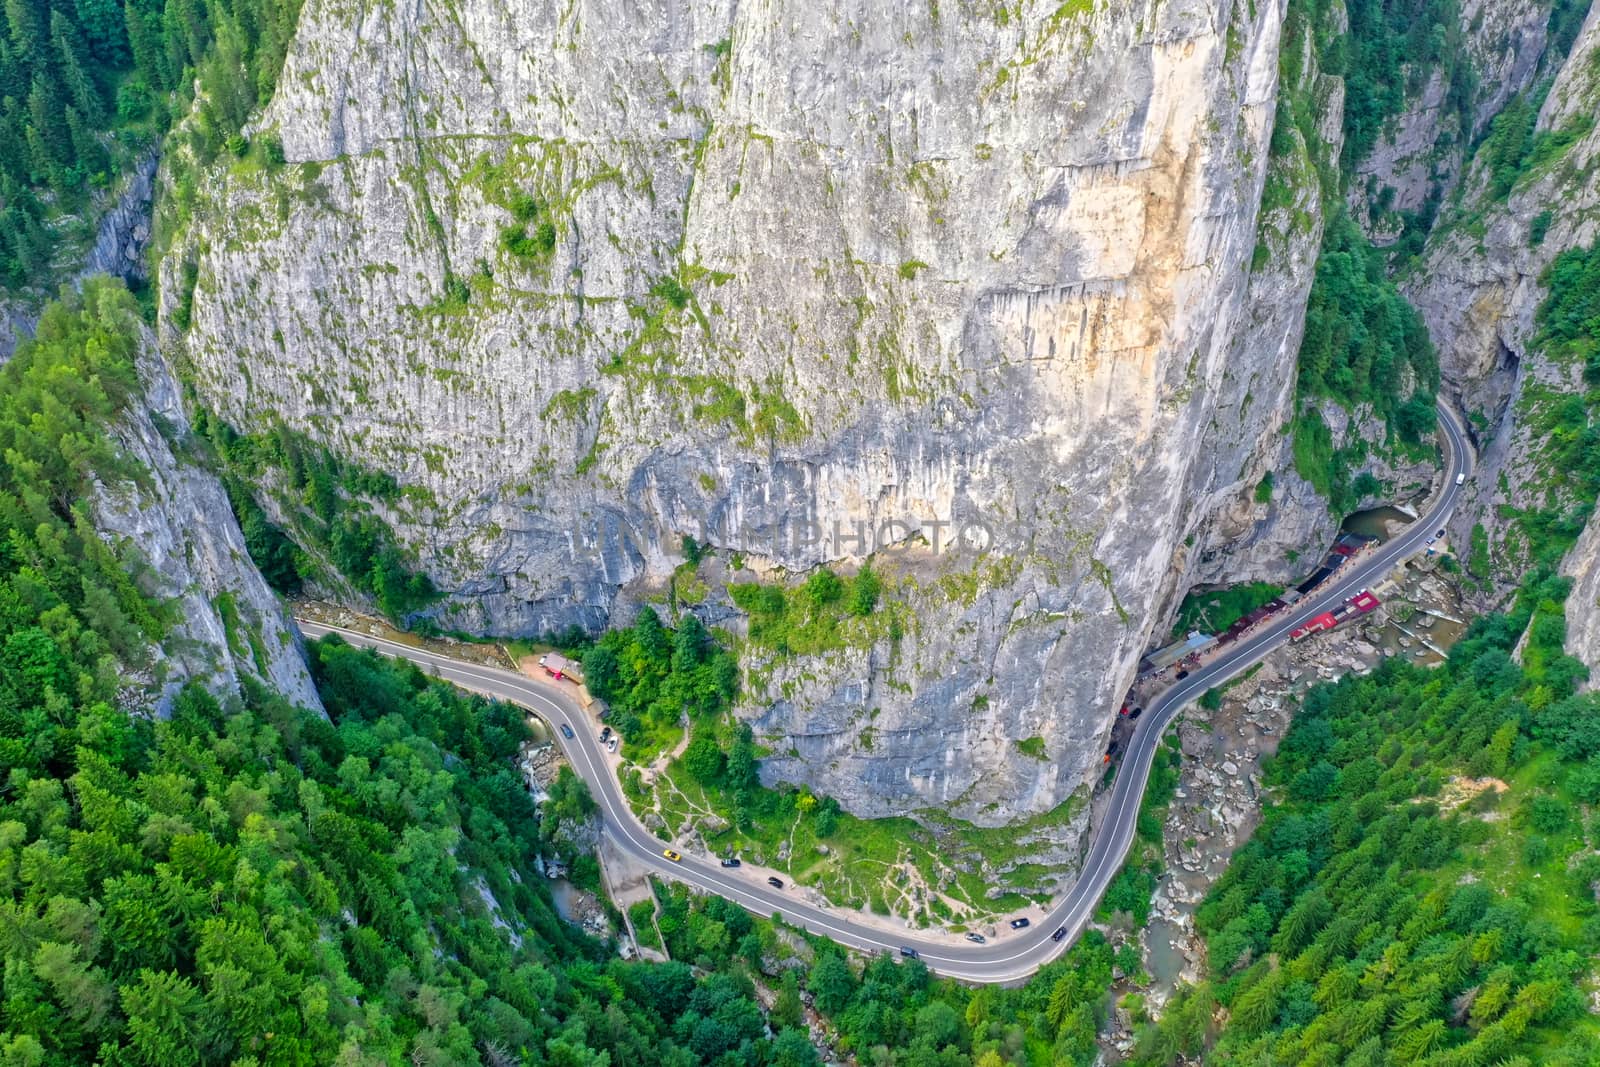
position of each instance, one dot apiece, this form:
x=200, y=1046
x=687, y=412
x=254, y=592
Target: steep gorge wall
x=1479, y=289
x=803, y=264
x=1419, y=157
x=177, y=518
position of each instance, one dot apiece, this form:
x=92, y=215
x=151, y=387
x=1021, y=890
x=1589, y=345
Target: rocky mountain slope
x=589, y=279
x=178, y=519
x=1479, y=288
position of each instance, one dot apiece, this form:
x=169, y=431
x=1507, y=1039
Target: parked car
x=605, y=733
x=673, y=855
x=977, y=939
x=909, y=953
x=1018, y=924
x=776, y=883
x=1061, y=931
x=731, y=861
x=1439, y=534
x=566, y=731
x=611, y=745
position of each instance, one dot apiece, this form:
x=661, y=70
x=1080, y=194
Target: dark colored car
x=977, y=939
x=605, y=733
x=566, y=731
x=776, y=883
x=730, y=862
x=1018, y=924
x=1439, y=534
x=1061, y=931
x=909, y=953
x=1183, y=674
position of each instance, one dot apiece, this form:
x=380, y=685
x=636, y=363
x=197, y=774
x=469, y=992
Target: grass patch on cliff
x=822, y=613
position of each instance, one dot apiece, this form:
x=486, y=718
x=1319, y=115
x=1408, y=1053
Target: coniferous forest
x=86, y=85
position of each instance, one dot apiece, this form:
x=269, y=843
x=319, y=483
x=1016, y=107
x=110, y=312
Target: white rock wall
x=178, y=519
x=1479, y=295
x=951, y=262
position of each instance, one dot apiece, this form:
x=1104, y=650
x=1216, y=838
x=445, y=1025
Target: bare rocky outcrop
x=806, y=264
x=177, y=518
x=118, y=250
x=1420, y=155
x=1582, y=565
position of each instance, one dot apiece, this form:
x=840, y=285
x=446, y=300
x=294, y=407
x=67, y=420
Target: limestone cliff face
x=1420, y=154
x=1246, y=539
x=1479, y=291
x=1582, y=565
x=121, y=234
x=591, y=277
x=178, y=518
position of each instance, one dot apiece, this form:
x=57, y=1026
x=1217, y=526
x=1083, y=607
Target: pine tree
x=13, y=71
x=13, y=150
x=26, y=30
x=72, y=57
x=147, y=45
x=105, y=29
x=49, y=140
x=89, y=153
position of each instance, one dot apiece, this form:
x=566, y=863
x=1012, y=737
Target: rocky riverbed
x=1218, y=800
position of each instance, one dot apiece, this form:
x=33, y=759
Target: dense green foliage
x=328, y=500
x=894, y=1014
x=271, y=887
x=72, y=70
x=885, y=1011
x=72, y=617
x=260, y=884
x=807, y=618
x=1392, y=48
x=1381, y=915
x=1569, y=318
x=1364, y=344
x=653, y=678
x=1214, y=610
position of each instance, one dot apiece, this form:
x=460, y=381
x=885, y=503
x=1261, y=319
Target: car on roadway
x=977, y=939
x=566, y=731
x=673, y=855
x=776, y=883
x=1019, y=923
x=909, y=953
x=1182, y=675
x=730, y=861
x=1461, y=479
x=1061, y=931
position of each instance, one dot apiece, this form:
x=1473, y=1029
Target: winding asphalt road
x=1013, y=955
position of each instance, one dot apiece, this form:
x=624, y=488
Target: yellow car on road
x=675, y=857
